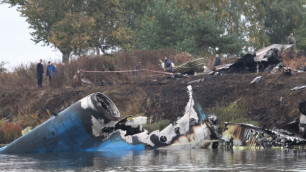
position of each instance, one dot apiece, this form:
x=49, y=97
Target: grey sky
x=16, y=46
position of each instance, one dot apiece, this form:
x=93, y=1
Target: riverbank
x=269, y=103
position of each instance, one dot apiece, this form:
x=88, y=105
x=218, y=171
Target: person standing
x=168, y=64
x=51, y=70
x=291, y=40
x=40, y=72
x=217, y=60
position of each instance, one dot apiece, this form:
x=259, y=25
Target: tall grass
x=24, y=77
x=231, y=112
x=159, y=125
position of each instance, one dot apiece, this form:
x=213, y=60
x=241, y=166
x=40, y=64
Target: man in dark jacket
x=51, y=70
x=40, y=71
x=168, y=64
x=217, y=60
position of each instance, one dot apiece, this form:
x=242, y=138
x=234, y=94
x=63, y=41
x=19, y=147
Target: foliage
x=301, y=34
x=135, y=10
x=2, y=68
x=110, y=25
x=183, y=25
x=72, y=34
x=74, y=26
x=282, y=18
x=165, y=26
x=208, y=34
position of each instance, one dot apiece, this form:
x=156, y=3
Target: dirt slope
x=270, y=102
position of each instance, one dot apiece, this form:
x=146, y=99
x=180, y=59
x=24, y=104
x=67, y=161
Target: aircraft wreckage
x=92, y=124
x=263, y=60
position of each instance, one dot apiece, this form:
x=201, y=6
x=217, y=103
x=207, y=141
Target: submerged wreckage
x=92, y=124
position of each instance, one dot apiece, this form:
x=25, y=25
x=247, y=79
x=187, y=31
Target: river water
x=160, y=160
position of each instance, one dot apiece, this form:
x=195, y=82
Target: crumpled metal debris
x=263, y=60
x=286, y=71
x=192, y=130
x=298, y=88
x=87, y=82
x=206, y=70
x=196, y=81
x=261, y=55
x=256, y=80
x=239, y=134
x=248, y=64
x=179, y=75
x=298, y=125
x=303, y=68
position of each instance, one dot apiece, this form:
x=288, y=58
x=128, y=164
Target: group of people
x=50, y=71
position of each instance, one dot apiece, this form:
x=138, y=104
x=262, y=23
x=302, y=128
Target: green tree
x=272, y=21
x=45, y=17
x=111, y=25
x=50, y=21
x=208, y=34
x=134, y=10
x=2, y=68
x=165, y=25
x=72, y=34
x=282, y=18
x=301, y=34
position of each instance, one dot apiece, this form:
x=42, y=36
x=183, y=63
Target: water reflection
x=179, y=160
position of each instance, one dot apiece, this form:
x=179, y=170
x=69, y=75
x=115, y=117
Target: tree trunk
x=65, y=57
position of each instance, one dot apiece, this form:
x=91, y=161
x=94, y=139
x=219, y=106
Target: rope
x=126, y=71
